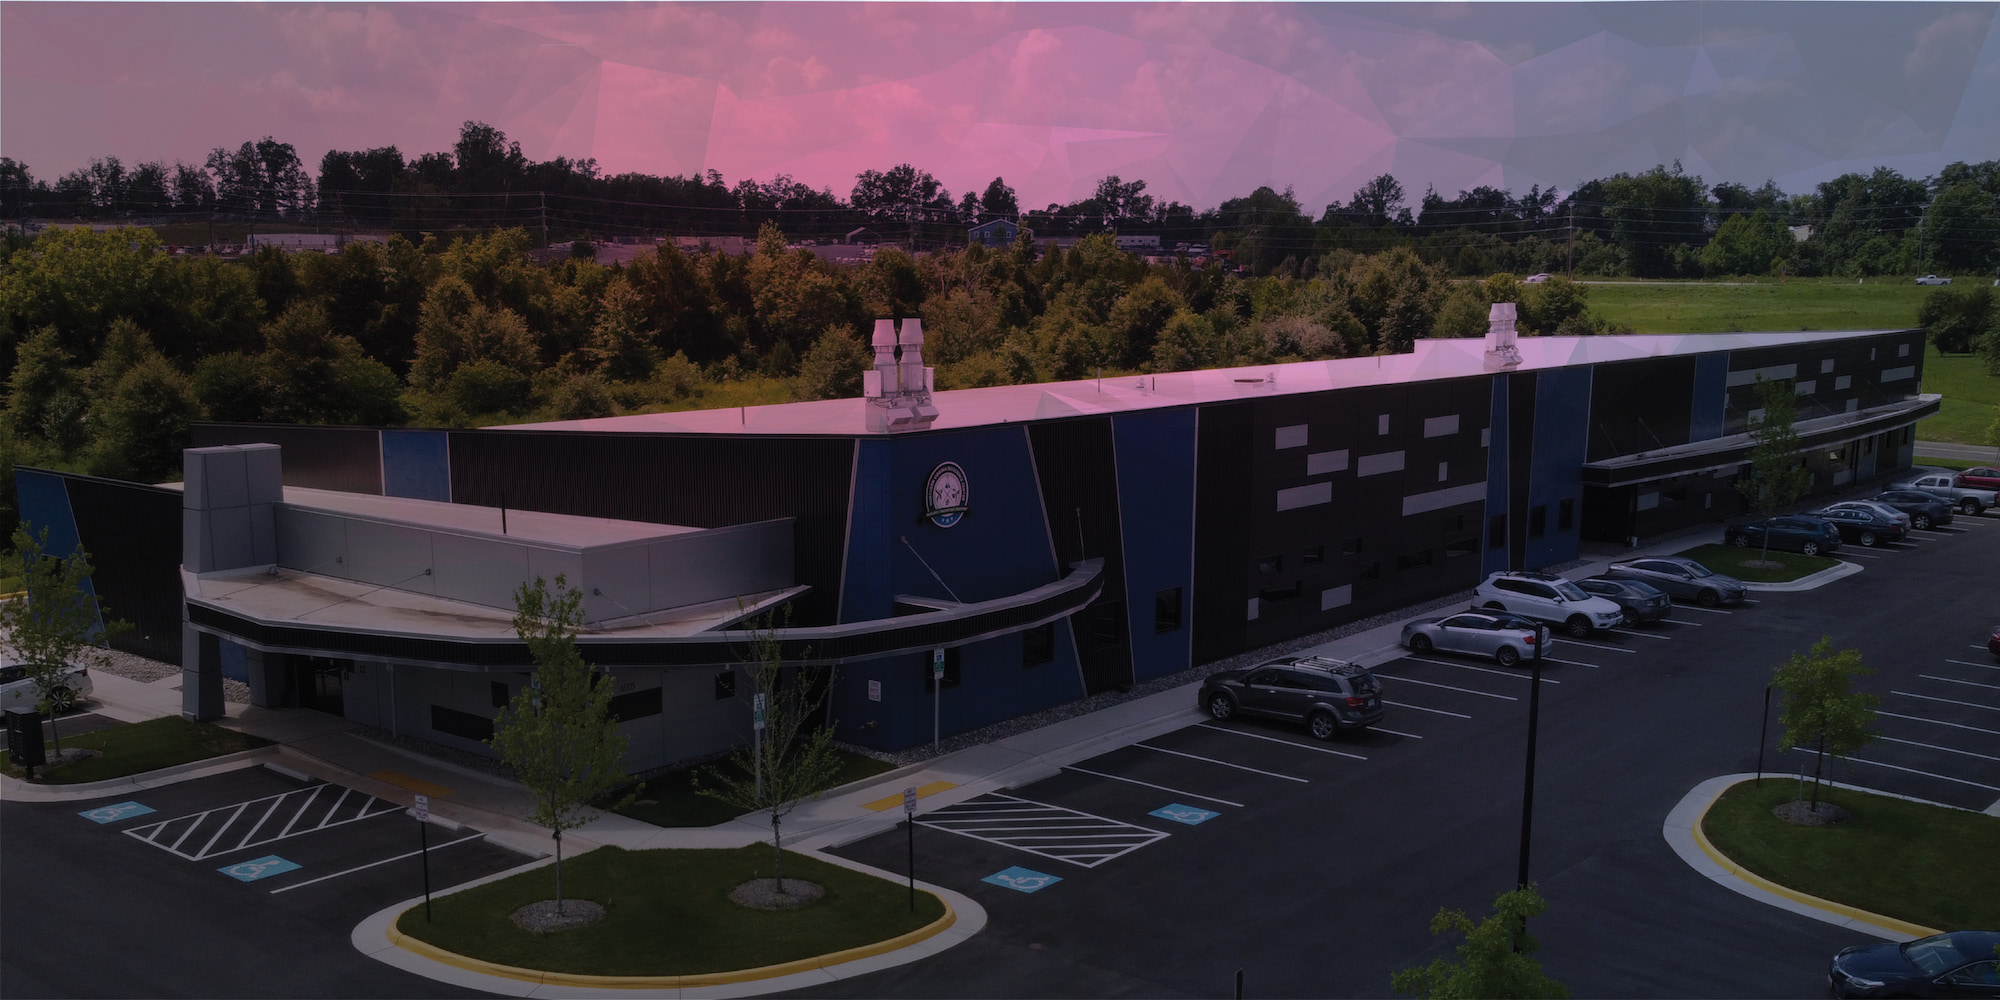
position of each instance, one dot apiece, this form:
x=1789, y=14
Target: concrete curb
x=1682, y=831
x=378, y=938
x=16, y=790
x=1812, y=582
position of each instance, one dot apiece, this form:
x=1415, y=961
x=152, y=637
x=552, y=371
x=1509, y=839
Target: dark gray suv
x=1326, y=694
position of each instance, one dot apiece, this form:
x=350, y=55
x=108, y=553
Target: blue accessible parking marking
x=264, y=867
x=1184, y=814
x=115, y=812
x=1022, y=879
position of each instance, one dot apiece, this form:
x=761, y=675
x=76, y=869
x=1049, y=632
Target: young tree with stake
x=1780, y=478
x=1819, y=707
x=558, y=734
x=53, y=627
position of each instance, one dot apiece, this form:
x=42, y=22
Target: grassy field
x=141, y=747
x=668, y=913
x=670, y=799
x=1924, y=864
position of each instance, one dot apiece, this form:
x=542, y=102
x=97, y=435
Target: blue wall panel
x=1000, y=547
x=1562, y=414
x=1155, y=452
x=1711, y=384
x=416, y=464
x=44, y=504
x=1493, y=559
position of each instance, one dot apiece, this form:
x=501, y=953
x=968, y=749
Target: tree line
x=1661, y=222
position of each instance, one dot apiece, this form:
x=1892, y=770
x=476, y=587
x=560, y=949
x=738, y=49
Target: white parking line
x=1573, y=663
x=1224, y=763
x=1953, y=680
x=1392, y=732
x=1941, y=722
x=1447, y=687
x=1706, y=611
x=1862, y=555
x=1484, y=670
x=1949, y=701
x=1969, y=663
x=1590, y=645
x=1648, y=635
x=1420, y=708
x=1910, y=770
x=1100, y=839
x=372, y=864
x=1163, y=788
x=1676, y=621
x=1927, y=746
x=1289, y=743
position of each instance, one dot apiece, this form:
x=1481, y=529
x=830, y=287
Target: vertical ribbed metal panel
x=705, y=482
x=1076, y=463
x=1520, y=463
x=348, y=459
x=1640, y=405
x=133, y=535
x=1222, y=529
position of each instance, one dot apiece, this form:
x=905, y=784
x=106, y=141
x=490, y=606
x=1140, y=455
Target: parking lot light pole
x=1528, y=782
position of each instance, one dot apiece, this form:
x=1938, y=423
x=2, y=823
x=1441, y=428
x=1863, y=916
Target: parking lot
x=244, y=883
x=1163, y=866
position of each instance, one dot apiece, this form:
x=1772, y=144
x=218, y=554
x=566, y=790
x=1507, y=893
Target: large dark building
x=1051, y=541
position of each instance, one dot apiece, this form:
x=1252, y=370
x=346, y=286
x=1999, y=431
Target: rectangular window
x=725, y=684
x=1272, y=595
x=1167, y=611
x=1313, y=555
x=1496, y=531
x=636, y=704
x=499, y=694
x=464, y=725
x=1352, y=547
x=1412, y=560
x=1538, y=520
x=1372, y=571
x=1038, y=645
x=1270, y=564
x=1566, y=513
x=950, y=670
x=1460, y=547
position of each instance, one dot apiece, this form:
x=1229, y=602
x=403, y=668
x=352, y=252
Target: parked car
x=1805, y=535
x=1545, y=597
x=1642, y=603
x=17, y=689
x=1932, y=279
x=1863, y=525
x=1504, y=637
x=1958, y=964
x=1535, y=279
x=1326, y=694
x=1969, y=500
x=1993, y=641
x=1984, y=477
x=1926, y=511
x=1682, y=578
x=1879, y=509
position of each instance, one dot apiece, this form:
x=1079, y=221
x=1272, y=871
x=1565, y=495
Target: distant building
x=735, y=246
x=296, y=242
x=1138, y=243
x=1801, y=233
x=995, y=233
x=863, y=236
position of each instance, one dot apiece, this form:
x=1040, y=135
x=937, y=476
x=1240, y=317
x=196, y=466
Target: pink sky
x=1203, y=101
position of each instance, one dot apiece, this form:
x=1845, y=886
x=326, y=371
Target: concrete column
x=201, y=676
x=267, y=684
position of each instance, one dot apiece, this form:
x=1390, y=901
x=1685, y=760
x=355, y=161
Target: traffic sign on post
x=937, y=664
x=422, y=808
x=757, y=712
x=910, y=801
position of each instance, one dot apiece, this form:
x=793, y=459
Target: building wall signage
x=945, y=495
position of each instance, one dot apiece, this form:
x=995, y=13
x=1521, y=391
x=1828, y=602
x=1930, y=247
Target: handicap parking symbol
x=1021, y=879
x=1184, y=814
x=115, y=812
x=264, y=867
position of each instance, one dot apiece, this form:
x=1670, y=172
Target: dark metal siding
x=1640, y=406
x=1075, y=463
x=133, y=535
x=348, y=459
x=1222, y=529
x=704, y=482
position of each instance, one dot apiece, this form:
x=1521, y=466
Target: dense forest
x=462, y=316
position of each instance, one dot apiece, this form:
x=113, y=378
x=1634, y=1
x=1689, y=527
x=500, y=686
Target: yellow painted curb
x=436, y=954
x=1851, y=912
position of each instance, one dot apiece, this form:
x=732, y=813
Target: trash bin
x=24, y=739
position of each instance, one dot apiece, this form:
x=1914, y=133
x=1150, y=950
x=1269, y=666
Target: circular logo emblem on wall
x=945, y=495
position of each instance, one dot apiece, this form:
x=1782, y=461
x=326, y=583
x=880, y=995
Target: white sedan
x=1932, y=279
x=17, y=689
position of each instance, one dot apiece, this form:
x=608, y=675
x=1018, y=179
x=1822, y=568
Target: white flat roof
x=567, y=530
x=960, y=408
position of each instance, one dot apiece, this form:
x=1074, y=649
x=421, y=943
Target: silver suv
x=1546, y=597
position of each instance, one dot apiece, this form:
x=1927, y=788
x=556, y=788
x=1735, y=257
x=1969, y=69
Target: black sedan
x=1926, y=511
x=1958, y=964
x=1681, y=577
x=1861, y=525
x=1805, y=535
x=1642, y=601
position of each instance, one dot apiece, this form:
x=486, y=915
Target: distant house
x=1139, y=244
x=863, y=236
x=735, y=246
x=995, y=233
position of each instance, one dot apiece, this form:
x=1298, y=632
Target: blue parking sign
x=264, y=867
x=115, y=812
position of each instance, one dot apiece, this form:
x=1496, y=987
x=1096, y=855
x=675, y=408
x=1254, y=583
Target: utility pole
x=545, y=218
x=1569, y=250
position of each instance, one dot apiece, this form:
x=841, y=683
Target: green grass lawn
x=141, y=747
x=670, y=799
x=1924, y=864
x=668, y=913
x=1971, y=398
x=1803, y=304
x=1732, y=561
